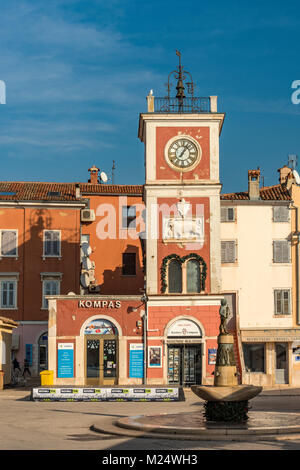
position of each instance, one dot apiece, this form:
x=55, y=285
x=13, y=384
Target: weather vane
x=181, y=75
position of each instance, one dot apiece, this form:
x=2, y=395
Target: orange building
x=44, y=227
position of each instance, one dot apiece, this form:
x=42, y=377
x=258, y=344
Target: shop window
x=129, y=264
x=254, y=357
x=51, y=243
x=9, y=242
x=129, y=217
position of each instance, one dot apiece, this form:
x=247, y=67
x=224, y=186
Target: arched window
x=193, y=276
x=175, y=277
x=184, y=275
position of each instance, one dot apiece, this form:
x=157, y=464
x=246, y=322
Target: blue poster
x=136, y=360
x=65, y=360
x=28, y=354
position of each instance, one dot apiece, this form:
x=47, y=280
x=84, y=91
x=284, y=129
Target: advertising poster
x=136, y=360
x=65, y=360
x=155, y=356
x=212, y=356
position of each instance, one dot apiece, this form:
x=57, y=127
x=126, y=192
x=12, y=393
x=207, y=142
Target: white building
x=257, y=279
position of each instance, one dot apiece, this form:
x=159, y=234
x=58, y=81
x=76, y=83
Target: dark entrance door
x=184, y=364
x=281, y=372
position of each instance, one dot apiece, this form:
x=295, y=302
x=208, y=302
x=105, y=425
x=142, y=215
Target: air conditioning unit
x=87, y=215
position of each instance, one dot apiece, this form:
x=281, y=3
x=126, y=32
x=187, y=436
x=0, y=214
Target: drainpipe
x=296, y=232
x=145, y=318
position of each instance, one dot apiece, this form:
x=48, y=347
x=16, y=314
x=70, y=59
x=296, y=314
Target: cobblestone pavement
x=28, y=425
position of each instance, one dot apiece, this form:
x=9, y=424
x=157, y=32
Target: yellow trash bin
x=46, y=377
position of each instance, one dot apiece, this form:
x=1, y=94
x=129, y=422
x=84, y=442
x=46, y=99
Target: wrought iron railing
x=186, y=105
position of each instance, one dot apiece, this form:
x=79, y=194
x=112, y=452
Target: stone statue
x=224, y=314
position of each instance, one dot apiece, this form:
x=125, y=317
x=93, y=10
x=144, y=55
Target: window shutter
x=227, y=214
x=282, y=302
x=280, y=214
x=8, y=294
x=281, y=251
x=8, y=243
x=228, y=254
x=52, y=243
x=223, y=214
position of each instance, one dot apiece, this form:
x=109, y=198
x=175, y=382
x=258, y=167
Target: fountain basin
x=234, y=393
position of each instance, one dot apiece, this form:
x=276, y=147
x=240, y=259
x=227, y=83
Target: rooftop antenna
x=292, y=161
x=113, y=173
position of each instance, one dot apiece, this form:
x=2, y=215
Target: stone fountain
x=226, y=400
x=225, y=408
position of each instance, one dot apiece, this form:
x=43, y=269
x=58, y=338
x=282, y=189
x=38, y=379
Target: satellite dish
x=84, y=280
x=103, y=177
x=296, y=176
x=86, y=264
x=87, y=250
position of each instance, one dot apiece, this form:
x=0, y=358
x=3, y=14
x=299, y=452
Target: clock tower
x=182, y=246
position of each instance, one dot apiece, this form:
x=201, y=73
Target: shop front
x=271, y=357
x=184, y=353
x=92, y=340
x=182, y=339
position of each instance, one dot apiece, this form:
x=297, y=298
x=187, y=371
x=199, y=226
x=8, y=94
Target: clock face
x=183, y=154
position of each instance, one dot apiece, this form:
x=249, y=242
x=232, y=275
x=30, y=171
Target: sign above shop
x=99, y=304
x=184, y=328
x=100, y=326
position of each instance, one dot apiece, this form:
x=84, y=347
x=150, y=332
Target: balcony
x=198, y=105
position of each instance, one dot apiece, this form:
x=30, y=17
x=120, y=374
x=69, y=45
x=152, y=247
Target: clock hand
x=179, y=156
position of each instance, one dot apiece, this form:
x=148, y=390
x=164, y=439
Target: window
x=128, y=264
x=183, y=275
x=192, y=276
x=51, y=243
x=227, y=214
x=254, y=357
x=175, y=277
x=50, y=287
x=282, y=302
x=280, y=214
x=228, y=251
x=8, y=293
x=9, y=242
x=281, y=251
x=129, y=217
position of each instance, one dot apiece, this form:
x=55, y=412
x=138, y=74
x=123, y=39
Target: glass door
x=101, y=360
x=174, y=367
x=92, y=358
x=184, y=364
x=281, y=373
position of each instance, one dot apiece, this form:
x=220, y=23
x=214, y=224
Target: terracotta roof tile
x=268, y=193
x=43, y=191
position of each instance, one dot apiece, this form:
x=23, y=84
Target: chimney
x=284, y=173
x=93, y=174
x=77, y=191
x=253, y=184
x=150, y=102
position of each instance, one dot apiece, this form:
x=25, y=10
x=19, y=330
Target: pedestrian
x=26, y=368
x=16, y=364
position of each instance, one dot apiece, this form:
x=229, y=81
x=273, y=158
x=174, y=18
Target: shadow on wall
x=127, y=278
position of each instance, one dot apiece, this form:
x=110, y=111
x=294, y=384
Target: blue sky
x=77, y=74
